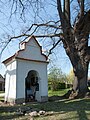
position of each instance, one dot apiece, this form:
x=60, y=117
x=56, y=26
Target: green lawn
x=2, y=91
x=57, y=93
x=61, y=109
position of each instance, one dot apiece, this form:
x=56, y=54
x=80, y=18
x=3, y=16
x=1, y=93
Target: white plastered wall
x=10, y=82
x=32, y=51
x=23, y=68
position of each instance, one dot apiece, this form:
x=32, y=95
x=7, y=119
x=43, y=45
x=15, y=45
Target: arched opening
x=31, y=85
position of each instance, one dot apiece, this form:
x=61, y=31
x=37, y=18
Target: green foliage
x=60, y=92
x=56, y=79
x=62, y=86
x=56, y=85
x=2, y=91
x=70, y=77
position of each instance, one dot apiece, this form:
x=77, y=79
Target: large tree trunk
x=75, y=42
x=77, y=53
x=80, y=69
x=80, y=80
x=80, y=59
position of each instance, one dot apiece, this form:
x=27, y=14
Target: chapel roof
x=16, y=54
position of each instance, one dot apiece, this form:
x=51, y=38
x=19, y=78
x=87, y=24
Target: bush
x=56, y=79
x=61, y=85
x=49, y=86
x=56, y=85
x=69, y=85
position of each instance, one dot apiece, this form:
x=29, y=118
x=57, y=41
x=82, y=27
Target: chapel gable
x=31, y=49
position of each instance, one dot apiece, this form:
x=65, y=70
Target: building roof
x=1, y=78
x=16, y=54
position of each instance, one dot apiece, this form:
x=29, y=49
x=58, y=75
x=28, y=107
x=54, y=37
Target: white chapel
x=26, y=74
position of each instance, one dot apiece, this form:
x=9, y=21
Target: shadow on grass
x=7, y=112
x=78, y=105
x=59, y=105
x=8, y=117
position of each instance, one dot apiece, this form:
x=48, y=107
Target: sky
x=10, y=26
x=59, y=60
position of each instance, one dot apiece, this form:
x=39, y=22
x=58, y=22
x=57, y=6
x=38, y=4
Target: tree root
x=71, y=94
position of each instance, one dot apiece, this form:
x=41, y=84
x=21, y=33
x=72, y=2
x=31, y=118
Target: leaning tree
x=74, y=33
x=75, y=40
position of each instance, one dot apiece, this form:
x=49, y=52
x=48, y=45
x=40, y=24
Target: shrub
x=56, y=85
x=56, y=79
x=61, y=86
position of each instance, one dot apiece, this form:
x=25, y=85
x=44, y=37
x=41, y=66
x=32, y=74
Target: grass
x=2, y=91
x=1, y=98
x=63, y=109
x=57, y=93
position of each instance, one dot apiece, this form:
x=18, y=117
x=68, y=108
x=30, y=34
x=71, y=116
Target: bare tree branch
x=28, y=35
x=67, y=11
x=82, y=7
x=45, y=25
x=50, y=51
x=60, y=13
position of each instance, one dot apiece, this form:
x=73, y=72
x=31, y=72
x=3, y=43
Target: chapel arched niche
x=31, y=85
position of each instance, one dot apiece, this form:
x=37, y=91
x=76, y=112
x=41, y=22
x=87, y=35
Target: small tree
x=55, y=78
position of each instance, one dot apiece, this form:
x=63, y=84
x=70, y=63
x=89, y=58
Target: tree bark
x=80, y=80
x=76, y=45
x=80, y=67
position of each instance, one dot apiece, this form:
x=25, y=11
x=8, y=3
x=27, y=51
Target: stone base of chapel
x=15, y=101
x=23, y=100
